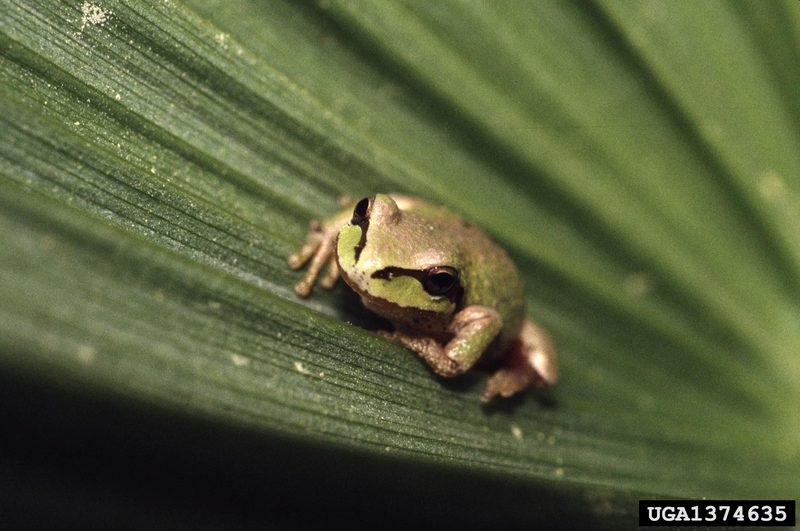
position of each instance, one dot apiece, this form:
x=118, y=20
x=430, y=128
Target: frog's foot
x=319, y=248
x=429, y=350
x=530, y=362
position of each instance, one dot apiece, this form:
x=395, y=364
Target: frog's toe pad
x=508, y=381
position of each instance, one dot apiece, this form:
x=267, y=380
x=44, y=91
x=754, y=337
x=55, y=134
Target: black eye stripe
x=388, y=273
x=437, y=280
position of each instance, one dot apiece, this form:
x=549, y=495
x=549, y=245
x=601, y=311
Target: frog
x=452, y=295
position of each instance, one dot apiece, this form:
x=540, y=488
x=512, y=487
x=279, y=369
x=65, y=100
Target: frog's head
x=400, y=264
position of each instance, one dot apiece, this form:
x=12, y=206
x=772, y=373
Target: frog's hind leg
x=529, y=362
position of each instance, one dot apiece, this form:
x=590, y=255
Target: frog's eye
x=440, y=280
x=362, y=210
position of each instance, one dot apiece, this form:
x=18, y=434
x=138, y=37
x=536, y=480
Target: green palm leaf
x=159, y=161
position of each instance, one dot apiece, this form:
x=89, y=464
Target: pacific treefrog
x=453, y=296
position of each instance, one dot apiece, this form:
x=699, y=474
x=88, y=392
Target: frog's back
x=492, y=280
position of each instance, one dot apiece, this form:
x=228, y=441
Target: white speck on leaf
x=637, y=284
x=781, y=198
x=298, y=366
x=712, y=130
x=93, y=15
x=771, y=186
x=222, y=40
x=86, y=354
x=49, y=242
x=240, y=361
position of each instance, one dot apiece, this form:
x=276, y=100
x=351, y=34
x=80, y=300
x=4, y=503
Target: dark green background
x=159, y=161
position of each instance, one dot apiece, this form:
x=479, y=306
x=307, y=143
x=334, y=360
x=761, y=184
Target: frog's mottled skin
x=452, y=294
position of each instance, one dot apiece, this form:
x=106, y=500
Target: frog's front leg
x=473, y=328
x=530, y=362
x=319, y=248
